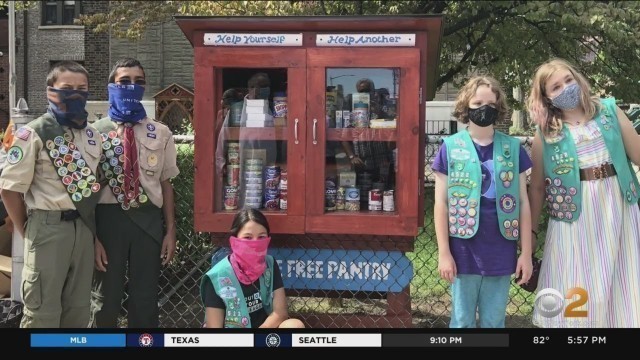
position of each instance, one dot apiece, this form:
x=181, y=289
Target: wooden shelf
x=361, y=134
x=244, y=133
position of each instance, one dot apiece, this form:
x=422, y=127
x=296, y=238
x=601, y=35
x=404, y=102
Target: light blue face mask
x=568, y=99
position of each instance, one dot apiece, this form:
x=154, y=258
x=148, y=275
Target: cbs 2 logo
x=550, y=302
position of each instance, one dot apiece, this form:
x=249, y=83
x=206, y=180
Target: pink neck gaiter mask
x=248, y=258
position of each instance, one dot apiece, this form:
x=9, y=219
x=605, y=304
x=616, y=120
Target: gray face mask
x=568, y=99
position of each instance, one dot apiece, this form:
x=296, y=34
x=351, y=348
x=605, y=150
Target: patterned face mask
x=67, y=106
x=568, y=99
x=483, y=116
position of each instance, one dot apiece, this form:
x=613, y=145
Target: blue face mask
x=67, y=106
x=125, y=103
x=568, y=99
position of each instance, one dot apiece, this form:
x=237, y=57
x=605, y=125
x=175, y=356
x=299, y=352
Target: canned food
x=352, y=193
x=283, y=199
x=375, y=200
x=352, y=205
x=271, y=177
x=253, y=168
x=253, y=162
x=233, y=175
x=230, y=197
x=253, y=186
x=340, y=198
x=253, y=192
x=253, y=181
x=283, y=180
x=330, y=193
x=233, y=153
x=253, y=174
x=388, y=203
x=271, y=199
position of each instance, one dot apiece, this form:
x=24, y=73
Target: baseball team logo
x=273, y=340
x=145, y=340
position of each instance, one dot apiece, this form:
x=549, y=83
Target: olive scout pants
x=134, y=245
x=57, y=273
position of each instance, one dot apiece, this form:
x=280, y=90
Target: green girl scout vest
x=465, y=181
x=228, y=287
x=562, y=172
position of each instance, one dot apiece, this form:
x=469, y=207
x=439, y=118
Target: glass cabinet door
x=257, y=136
x=364, y=125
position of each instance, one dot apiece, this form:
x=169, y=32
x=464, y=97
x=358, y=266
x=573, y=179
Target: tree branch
x=324, y=7
x=472, y=48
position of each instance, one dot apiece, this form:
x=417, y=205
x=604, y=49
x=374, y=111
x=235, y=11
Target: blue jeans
x=488, y=294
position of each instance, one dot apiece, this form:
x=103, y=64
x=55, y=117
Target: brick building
x=46, y=34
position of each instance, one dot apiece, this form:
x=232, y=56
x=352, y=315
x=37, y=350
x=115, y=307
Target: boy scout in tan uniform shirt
x=134, y=235
x=58, y=254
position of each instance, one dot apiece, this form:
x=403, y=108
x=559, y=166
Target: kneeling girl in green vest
x=481, y=208
x=245, y=290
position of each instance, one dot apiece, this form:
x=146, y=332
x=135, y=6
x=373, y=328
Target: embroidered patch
x=151, y=135
x=92, y=142
x=14, y=155
x=23, y=133
x=150, y=127
x=89, y=133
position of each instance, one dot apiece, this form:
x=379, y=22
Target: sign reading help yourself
x=357, y=40
x=354, y=270
x=235, y=39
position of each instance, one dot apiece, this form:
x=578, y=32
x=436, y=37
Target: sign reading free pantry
x=236, y=39
x=357, y=40
x=336, y=269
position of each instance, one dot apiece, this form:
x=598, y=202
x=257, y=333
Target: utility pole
x=12, y=56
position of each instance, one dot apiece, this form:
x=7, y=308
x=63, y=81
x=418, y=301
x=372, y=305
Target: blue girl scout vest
x=465, y=181
x=228, y=287
x=562, y=172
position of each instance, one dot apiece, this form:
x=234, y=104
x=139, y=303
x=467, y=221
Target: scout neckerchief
x=76, y=176
x=113, y=162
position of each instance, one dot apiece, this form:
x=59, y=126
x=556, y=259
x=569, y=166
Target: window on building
x=60, y=12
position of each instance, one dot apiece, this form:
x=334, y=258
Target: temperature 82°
x=540, y=340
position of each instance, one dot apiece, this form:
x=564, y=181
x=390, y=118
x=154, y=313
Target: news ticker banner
x=537, y=338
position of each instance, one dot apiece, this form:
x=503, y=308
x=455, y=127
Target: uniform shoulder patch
x=14, y=155
x=23, y=133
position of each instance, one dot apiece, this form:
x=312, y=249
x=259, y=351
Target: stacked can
x=283, y=189
x=340, y=198
x=330, y=193
x=388, y=204
x=271, y=187
x=253, y=183
x=375, y=200
x=352, y=199
x=233, y=176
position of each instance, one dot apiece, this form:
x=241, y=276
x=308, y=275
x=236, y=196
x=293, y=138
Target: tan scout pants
x=58, y=271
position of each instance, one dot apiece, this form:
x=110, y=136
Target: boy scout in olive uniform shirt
x=54, y=166
x=130, y=217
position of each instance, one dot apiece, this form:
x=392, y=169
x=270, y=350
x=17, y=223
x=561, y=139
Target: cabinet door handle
x=295, y=131
x=315, y=123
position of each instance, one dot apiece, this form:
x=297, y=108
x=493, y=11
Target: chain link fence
x=422, y=300
x=428, y=303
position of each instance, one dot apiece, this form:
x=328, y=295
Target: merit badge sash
x=77, y=177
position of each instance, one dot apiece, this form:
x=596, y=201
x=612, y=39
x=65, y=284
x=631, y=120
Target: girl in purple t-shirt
x=480, y=267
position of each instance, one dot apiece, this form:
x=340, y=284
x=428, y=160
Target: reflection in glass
x=361, y=112
x=251, y=160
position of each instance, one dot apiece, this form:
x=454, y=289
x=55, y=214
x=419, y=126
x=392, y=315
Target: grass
x=428, y=288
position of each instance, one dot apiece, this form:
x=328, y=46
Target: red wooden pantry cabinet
x=319, y=123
